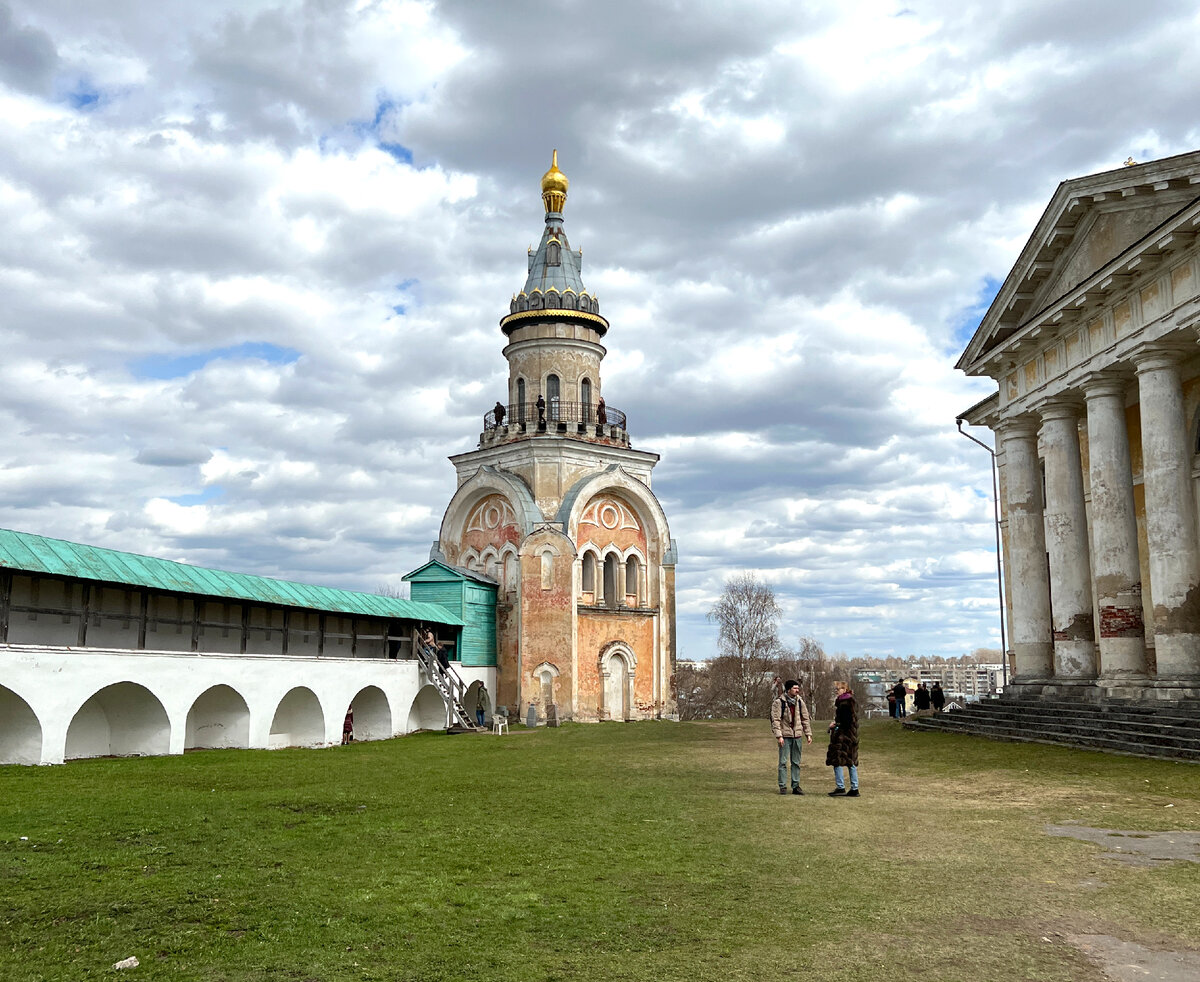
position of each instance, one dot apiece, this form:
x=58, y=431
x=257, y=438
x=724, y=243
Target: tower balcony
x=575, y=420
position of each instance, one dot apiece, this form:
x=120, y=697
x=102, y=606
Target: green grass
x=641, y=851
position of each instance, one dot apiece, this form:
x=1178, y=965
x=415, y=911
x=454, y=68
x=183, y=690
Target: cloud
x=261, y=250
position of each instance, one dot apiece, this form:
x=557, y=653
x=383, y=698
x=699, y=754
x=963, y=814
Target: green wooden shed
x=469, y=595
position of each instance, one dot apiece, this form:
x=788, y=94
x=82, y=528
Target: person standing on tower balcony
x=498, y=411
x=601, y=412
x=790, y=724
x=541, y=408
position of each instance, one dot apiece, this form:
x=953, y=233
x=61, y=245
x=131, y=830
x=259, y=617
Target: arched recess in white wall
x=298, y=721
x=20, y=731
x=472, y=698
x=124, y=720
x=219, y=718
x=372, y=714
x=428, y=710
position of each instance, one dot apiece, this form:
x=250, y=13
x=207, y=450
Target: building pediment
x=1089, y=227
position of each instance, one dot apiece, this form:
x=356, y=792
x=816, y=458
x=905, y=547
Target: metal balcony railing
x=555, y=411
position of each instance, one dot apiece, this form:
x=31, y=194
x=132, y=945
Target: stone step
x=1114, y=746
x=1038, y=714
x=1183, y=745
x=1166, y=736
x=1109, y=713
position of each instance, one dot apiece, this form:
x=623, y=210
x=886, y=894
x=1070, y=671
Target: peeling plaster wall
x=596, y=631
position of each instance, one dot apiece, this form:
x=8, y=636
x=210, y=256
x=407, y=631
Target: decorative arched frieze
x=523, y=512
x=646, y=509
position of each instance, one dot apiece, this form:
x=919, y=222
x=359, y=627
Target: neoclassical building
x=556, y=507
x=1092, y=341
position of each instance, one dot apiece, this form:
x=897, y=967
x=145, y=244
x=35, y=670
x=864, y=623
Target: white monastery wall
x=121, y=702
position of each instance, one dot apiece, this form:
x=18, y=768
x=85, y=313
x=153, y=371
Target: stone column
x=1031, y=633
x=1067, y=544
x=1170, y=515
x=1115, y=564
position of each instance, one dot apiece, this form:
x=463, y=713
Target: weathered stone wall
x=598, y=629
x=547, y=614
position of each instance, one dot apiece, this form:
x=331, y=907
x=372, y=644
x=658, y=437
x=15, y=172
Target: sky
x=254, y=256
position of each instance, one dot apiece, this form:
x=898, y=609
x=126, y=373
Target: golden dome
x=554, y=186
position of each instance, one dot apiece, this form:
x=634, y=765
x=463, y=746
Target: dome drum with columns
x=557, y=507
x=1094, y=342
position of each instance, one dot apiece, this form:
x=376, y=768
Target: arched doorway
x=615, y=672
x=372, y=714
x=428, y=711
x=20, y=731
x=298, y=720
x=219, y=718
x=123, y=720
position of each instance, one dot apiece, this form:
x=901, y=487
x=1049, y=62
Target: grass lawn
x=639, y=851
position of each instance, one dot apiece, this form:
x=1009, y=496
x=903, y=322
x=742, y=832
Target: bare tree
x=816, y=672
x=747, y=616
x=693, y=692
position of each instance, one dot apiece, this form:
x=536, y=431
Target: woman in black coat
x=843, y=741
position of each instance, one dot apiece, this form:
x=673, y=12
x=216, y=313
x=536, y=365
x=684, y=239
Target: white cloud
x=257, y=253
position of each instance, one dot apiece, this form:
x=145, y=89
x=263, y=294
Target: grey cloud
x=28, y=57
x=173, y=456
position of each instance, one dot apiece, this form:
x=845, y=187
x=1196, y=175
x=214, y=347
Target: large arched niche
x=298, y=720
x=121, y=720
x=428, y=711
x=372, y=714
x=219, y=718
x=616, y=482
x=486, y=482
x=20, y=730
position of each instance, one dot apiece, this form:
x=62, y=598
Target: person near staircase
x=482, y=704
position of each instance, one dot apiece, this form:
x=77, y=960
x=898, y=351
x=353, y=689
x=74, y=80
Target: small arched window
x=589, y=573
x=585, y=398
x=610, y=580
x=552, y=395
x=520, y=400
x=547, y=570
x=553, y=254
x=632, y=577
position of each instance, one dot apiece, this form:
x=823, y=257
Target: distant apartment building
x=970, y=681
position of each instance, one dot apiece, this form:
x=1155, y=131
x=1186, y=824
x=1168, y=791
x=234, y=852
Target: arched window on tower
x=589, y=575
x=553, y=254
x=632, y=581
x=585, y=398
x=520, y=400
x=552, y=396
x=610, y=580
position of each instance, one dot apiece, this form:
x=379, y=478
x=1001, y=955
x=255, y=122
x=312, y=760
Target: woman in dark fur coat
x=843, y=741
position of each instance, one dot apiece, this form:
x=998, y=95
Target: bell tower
x=556, y=506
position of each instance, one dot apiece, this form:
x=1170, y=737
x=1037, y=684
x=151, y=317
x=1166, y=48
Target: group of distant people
x=924, y=699
x=792, y=727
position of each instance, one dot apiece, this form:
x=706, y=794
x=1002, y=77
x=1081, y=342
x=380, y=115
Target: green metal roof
x=57, y=557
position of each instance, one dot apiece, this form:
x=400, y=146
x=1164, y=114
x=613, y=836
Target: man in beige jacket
x=790, y=724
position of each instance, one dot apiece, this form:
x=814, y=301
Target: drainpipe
x=999, y=567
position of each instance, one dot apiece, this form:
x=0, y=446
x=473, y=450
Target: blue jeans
x=837, y=777
x=479, y=716
x=789, y=751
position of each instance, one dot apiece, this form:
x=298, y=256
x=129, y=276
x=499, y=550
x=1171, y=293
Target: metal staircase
x=452, y=688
